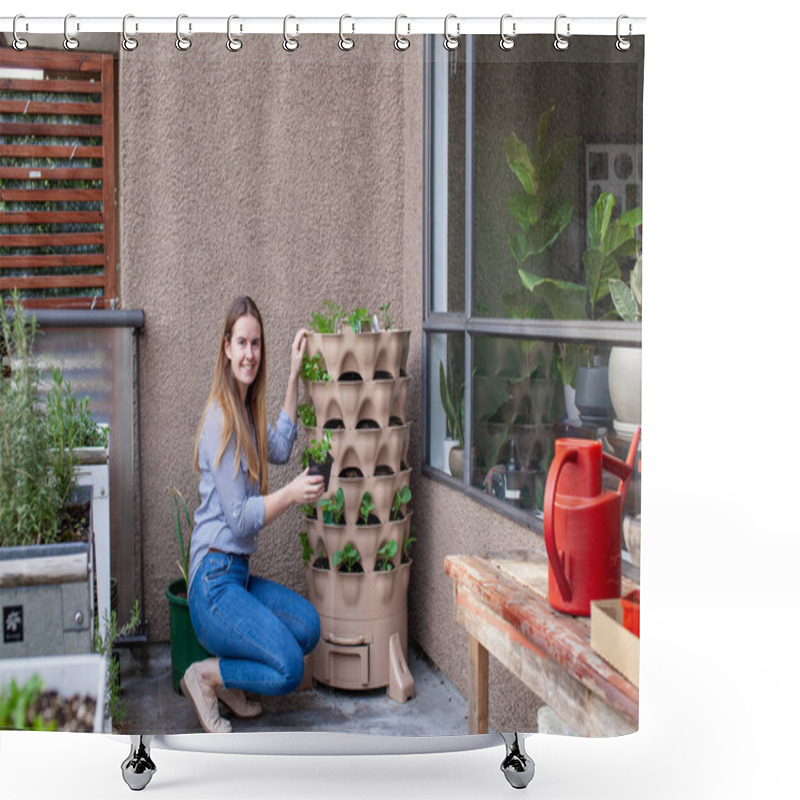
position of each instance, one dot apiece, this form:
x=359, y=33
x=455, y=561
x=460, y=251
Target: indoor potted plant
x=452, y=399
x=185, y=648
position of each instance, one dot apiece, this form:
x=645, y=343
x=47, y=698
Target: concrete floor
x=152, y=706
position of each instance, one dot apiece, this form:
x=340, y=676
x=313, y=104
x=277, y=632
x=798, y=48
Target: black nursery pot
x=324, y=469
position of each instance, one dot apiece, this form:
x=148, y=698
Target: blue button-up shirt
x=231, y=510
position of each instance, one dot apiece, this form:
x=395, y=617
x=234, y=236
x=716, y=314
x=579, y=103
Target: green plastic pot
x=186, y=649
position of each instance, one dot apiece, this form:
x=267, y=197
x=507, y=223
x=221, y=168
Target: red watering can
x=582, y=524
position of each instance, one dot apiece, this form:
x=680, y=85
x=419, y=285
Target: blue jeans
x=259, y=629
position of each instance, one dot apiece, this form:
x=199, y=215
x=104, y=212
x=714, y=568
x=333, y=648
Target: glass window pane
x=447, y=185
x=551, y=136
x=446, y=381
x=528, y=393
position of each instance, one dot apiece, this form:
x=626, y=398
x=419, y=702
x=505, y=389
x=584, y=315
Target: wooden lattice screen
x=57, y=178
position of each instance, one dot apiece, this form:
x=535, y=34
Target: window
x=533, y=260
x=57, y=187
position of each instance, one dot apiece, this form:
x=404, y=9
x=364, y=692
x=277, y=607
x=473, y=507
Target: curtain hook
x=70, y=42
x=181, y=41
x=401, y=42
x=233, y=44
x=128, y=42
x=451, y=42
x=345, y=42
x=561, y=42
x=19, y=43
x=290, y=43
x=623, y=43
x=506, y=41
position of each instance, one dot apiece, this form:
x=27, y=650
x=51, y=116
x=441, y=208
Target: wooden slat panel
x=90, y=301
x=52, y=60
x=51, y=195
x=47, y=174
x=109, y=185
x=46, y=109
x=44, y=129
x=57, y=260
x=51, y=217
x=50, y=151
x=51, y=239
x=49, y=86
x=53, y=282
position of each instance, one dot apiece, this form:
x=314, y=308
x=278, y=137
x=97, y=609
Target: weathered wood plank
x=47, y=569
x=478, y=691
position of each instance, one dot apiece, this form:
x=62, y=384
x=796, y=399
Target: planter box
x=45, y=595
x=67, y=675
x=612, y=640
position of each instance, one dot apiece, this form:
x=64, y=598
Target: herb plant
x=333, y=508
x=407, y=542
x=386, y=553
x=367, y=504
x=306, y=550
x=311, y=368
x=327, y=322
x=317, y=451
x=357, y=318
x=307, y=414
x=180, y=515
x=347, y=560
x=17, y=701
x=386, y=317
x=401, y=498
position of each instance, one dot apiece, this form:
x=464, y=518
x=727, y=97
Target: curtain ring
x=623, y=43
x=561, y=42
x=290, y=43
x=70, y=42
x=451, y=42
x=401, y=42
x=506, y=41
x=181, y=41
x=19, y=43
x=233, y=44
x=128, y=42
x=345, y=42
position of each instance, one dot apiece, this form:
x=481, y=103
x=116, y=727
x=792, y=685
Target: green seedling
x=306, y=550
x=346, y=560
x=401, y=498
x=307, y=415
x=367, y=505
x=322, y=322
x=333, y=508
x=357, y=318
x=317, y=451
x=311, y=368
x=386, y=317
x=385, y=555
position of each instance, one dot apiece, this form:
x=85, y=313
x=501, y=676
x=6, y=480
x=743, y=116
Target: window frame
x=609, y=332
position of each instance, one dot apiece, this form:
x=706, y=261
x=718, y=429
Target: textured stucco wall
x=294, y=178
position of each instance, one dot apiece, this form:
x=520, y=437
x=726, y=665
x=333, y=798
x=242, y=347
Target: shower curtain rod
x=73, y=25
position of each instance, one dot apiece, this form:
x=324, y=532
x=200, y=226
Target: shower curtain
x=488, y=198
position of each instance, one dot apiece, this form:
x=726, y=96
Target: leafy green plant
x=307, y=509
x=347, y=559
x=306, y=550
x=386, y=317
x=357, y=318
x=311, y=368
x=17, y=701
x=407, y=542
x=452, y=398
x=539, y=213
x=332, y=508
x=30, y=512
x=307, y=414
x=367, y=505
x=317, y=450
x=386, y=553
x=103, y=644
x=322, y=322
x=401, y=497
x=627, y=297
x=611, y=241
x=180, y=515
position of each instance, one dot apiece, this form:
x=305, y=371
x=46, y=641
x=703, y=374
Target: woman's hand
x=307, y=488
x=298, y=350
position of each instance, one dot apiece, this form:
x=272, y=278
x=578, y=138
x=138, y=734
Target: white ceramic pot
x=625, y=383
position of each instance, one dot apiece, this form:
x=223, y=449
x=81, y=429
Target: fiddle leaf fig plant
x=627, y=297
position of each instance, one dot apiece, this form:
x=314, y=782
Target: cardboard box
x=613, y=641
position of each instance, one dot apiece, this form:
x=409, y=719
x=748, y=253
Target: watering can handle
x=561, y=459
x=623, y=469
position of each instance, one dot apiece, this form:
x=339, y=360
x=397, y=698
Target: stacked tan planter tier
x=364, y=641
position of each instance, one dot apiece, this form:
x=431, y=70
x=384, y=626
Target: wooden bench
x=501, y=601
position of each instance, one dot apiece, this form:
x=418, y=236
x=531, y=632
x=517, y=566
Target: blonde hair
x=235, y=420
